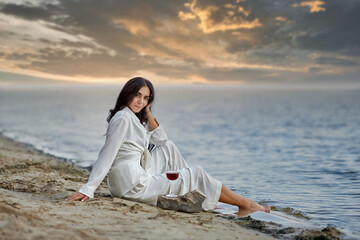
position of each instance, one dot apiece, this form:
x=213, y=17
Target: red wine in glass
x=172, y=176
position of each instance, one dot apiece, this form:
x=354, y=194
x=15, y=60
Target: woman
x=136, y=174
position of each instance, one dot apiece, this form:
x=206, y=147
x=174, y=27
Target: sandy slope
x=33, y=187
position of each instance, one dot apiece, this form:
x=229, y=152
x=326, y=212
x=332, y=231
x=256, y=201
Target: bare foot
x=262, y=208
x=265, y=208
x=244, y=213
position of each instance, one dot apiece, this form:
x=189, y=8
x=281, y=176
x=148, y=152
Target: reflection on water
x=297, y=149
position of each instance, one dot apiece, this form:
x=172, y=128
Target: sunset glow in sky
x=245, y=42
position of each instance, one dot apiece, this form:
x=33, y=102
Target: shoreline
x=33, y=188
x=34, y=185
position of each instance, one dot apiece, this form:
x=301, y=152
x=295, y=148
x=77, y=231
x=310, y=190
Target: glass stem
x=170, y=187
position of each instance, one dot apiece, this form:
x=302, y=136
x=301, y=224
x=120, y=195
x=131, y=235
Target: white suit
x=136, y=174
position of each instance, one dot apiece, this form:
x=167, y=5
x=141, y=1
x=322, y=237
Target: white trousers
x=165, y=158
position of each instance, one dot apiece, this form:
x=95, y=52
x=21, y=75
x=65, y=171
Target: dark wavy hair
x=128, y=92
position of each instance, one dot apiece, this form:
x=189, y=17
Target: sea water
x=297, y=150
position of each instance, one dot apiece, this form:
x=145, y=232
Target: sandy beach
x=33, y=188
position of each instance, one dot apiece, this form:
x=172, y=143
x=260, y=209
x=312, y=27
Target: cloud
x=219, y=41
x=134, y=26
x=74, y=62
x=13, y=79
x=186, y=16
x=335, y=61
x=27, y=11
x=281, y=19
x=242, y=10
x=314, y=69
x=337, y=29
x=314, y=5
x=215, y=18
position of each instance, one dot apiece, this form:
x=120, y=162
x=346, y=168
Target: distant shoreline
x=116, y=87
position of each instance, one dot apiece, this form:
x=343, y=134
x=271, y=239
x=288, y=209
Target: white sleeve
x=114, y=138
x=158, y=136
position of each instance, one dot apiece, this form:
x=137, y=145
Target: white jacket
x=125, y=148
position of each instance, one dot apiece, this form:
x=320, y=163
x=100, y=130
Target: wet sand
x=33, y=188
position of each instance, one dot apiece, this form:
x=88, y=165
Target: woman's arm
x=158, y=135
x=114, y=138
x=152, y=123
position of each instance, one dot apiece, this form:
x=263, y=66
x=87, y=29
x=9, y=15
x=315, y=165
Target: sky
x=239, y=42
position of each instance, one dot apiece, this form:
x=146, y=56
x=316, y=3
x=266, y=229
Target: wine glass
x=172, y=175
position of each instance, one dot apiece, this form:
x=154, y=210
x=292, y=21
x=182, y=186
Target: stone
x=191, y=202
x=328, y=233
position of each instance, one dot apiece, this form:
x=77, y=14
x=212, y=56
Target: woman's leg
x=229, y=197
x=165, y=158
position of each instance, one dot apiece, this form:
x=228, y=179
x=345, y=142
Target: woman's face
x=140, y=100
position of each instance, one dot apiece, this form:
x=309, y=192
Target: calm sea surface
x=297, y=149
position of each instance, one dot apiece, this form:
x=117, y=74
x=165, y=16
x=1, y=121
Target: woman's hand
x=150, y=118
x=78, y=196
x=147, y=109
